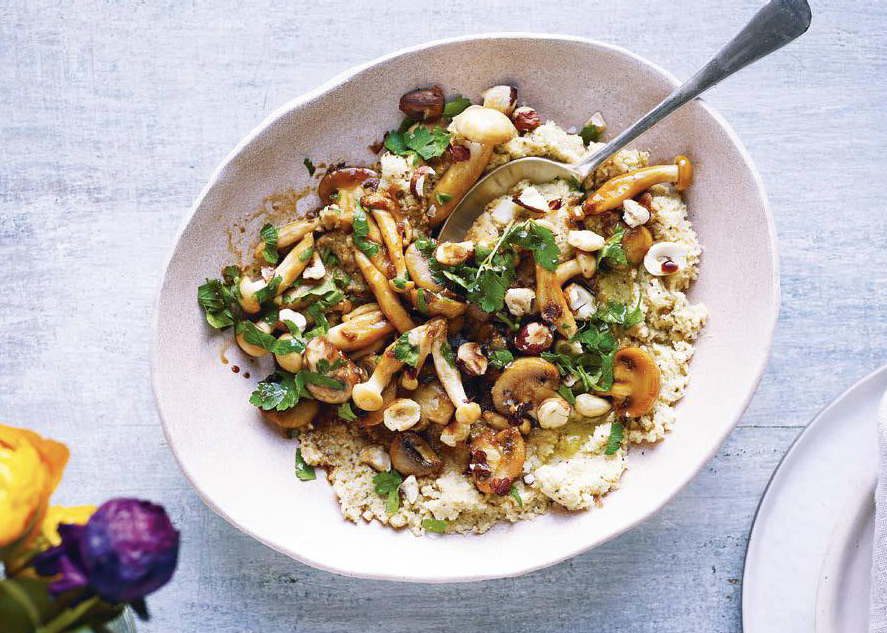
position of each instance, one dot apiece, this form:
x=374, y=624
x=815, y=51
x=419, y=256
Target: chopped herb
x=268, y=291
x=346, y=413
x=309, y=166
x=614, y=442
x=279, y=391
x=574, y=183
x=269, y=237
x=387, y=483
x=514, y=493
x=455, y=106
x=435, y=525
x=447, y=352
x=567, y=393
x=421, y=141
x=590, y=133
x=399, y=283
x=405, y=351
x=318, y=311
x=219, y=303
x=500, y=358
x=443, y=198
x=540, y=240
x=329, y=259
x=421, y=303
x=507, y=320
x=314, y=378
x=304, y=257
x=303, y=470
x=612, y=251
x=272, y=316
x=361, y=230
x=254, y=336
x=618, y=314
x=426, y=246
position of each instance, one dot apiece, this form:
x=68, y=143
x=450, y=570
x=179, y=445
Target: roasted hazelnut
x=525, y=119
x=501, y=98
x=646, y=200
x=471, y=360
x=459, y=153
x=425, y=104
x=417, y=182
x=533, y=338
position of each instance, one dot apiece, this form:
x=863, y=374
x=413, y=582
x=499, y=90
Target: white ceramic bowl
x=244, y=470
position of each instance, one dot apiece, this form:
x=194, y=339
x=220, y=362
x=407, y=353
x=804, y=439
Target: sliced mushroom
x=496, y=460
x=524, y=385
x=345, y=182
x=552, y=304
x=289, y=234
x=387, y=299
x=618, y=189
x=636, y=243
x=457, y=180
x=368, y=395
x=665, y=258
x=296, y=417
x=483, y=125
x=435, y=405
x=419, y=269
x=346, y=374
x=635, y=382
x=501, y=98
x=360, y=331
x=411, y=455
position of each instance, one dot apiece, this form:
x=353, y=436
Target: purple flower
x=127, y=550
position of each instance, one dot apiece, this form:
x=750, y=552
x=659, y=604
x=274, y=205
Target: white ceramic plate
x=244, y=470
x=810, y=551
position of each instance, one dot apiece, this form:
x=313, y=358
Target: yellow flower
x=30, y=470
x=55, y=515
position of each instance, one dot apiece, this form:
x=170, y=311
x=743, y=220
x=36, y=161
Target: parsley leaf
x=612, y=250
x=618, y=314
x=538, y=239
x=500, y=358
x=447, y=352
x=361, y=230
x=421, y=302
x=567, y=393
x=254, y=336
x=269, y=236
x=218, y=303
x=303, y=470
x=590, y=133
x=315, y=378
x=279, y=391
x=507, y=320
x=309, y=166
x=455, y=106
x=443, y=198
x=268, y=291
x=387, y=484
x=346, y=413
x=514, y=493
x=405, y=351
x=614, y=442
x=435, y=525
x=304, y=257
x=422, y=141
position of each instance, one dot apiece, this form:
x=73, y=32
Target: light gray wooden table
x=113, y=115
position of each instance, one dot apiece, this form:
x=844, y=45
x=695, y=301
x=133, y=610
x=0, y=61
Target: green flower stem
x=68, y=617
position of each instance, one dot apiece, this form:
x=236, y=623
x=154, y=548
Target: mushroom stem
x=359, y=310
x=552, y=303
x=419, y=270
x=436, y=304
x=289, y=234
x=457, y=180
x=294, y=263
x=615, y=191
x=368, y=395
x=394, y=245
x=424, y=337
x=467, y=412
x=583, y=263
x=360, y=331
x=386, y=298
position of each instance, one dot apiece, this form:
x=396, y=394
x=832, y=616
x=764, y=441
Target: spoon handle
x=774, y=26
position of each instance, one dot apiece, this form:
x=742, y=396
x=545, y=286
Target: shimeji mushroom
x=344, y=186
x=420, y=270
x=582, y=263
x=618, y=189
x=552, y=303
x=368, y=395
x=345, y=374
x=386, y=297
x=436, y=303
x=394, y=244
x=467, y=412
x=635, y=382
x=249, y=348
x=363, y=308
x=422, y=337
x=374, y=418
x=360, y=331
x=291, y=362
x=296, y=417
x=411, y=455
x=496, y=460
x=288, y=270
x=289, y=234
x=434, y=404
x=315, y=270
x=525, y=385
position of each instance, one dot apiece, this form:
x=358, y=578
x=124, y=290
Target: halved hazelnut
x=525, y=119
x=553, y=412
x=591, y=406
x=471, y=360
x=411, y=455
x=532, y=200
x=417, y=182
x=636, y=243
x=424, y=104
x=533, y=338
x=635, y=382
x=496, y=460
x=453, y=253
x=402, y=414
x=501, y=98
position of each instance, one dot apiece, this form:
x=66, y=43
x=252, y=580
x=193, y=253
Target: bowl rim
x=342, y=78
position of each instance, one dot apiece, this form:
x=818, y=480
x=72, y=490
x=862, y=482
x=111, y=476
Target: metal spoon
x=774, y=26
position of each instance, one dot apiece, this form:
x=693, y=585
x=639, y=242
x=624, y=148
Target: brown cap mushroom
x=524, y=385
x=411, y=455
x=296, y=417
x=496, y=460
x=343, y=179
x=618, y=189
x=636, y=242
x=435, y=405
x=635, y=382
